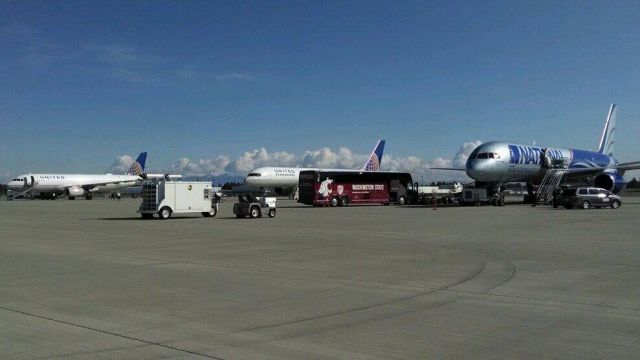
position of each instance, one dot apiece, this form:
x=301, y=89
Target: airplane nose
x=476, y=169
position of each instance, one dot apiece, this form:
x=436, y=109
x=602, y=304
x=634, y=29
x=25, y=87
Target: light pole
x=421, y=180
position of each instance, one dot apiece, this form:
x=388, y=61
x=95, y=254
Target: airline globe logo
x=373, y=164
x=136, y=169
x=340, y=189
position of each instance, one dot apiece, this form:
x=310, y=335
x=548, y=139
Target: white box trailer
x=166, y=198
x=480, y=196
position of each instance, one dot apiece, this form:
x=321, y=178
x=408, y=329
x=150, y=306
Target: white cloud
x=215, y=166
x=121, y=164
x=250, y=160
x=321, y=158
x=460, y=159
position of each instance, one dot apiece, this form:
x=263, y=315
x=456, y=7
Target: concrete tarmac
x=91, y=280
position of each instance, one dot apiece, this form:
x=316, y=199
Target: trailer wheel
x=334, y=202
x=272, y=213
x=164, y=213
x=402, y=200
x=254, y=212
x=211, y=213
x=344, y=201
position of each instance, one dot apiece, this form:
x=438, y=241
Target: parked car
x=588, y=197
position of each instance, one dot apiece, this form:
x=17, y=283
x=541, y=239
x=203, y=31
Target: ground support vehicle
x=166, y=198
x=480, y=196
x=443, y=194
x=588, y=197
x=254, y=207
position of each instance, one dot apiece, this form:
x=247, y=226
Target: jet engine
x=610, y=181
x=74, y=191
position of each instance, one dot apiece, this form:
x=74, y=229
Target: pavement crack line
x=110, y=333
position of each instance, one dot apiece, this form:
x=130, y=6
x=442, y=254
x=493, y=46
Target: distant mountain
x=217, y=179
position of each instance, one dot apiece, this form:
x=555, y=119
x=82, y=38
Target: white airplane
x=73, y=185
x=279, y=178
x=496, y=163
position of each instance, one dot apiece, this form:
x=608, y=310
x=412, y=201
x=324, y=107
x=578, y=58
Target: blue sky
x=84, y=83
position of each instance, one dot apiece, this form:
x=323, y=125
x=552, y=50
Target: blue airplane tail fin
x=373, y=164
x=608, y=134
x=137, y=168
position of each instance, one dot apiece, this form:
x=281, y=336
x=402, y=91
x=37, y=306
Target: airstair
x=26, y=193
x=552, y=178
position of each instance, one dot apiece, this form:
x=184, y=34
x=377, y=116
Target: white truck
x=166, y=198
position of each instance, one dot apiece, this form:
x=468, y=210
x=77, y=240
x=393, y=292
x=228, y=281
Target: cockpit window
x=254, y=174
x=16, y=180
x=483, y=156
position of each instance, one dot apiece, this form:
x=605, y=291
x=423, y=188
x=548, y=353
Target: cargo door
x=184, y=197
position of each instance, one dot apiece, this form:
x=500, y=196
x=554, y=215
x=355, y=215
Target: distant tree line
x=230, y=185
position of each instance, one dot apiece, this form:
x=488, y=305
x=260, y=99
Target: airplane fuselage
x=279, y=177
x=58, y=183
x=500, y=162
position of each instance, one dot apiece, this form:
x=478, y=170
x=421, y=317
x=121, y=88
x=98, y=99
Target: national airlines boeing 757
x=495, y=163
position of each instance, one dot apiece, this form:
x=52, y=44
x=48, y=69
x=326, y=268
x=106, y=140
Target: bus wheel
x=335, y=202
x=345, y=201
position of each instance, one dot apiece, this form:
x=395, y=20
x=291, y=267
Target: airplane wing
x=628, y=166
x=454, y=169
x=90, y=186
x=595, y=170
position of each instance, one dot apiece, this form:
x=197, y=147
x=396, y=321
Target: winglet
x=608, y=134
x=137, y=168
x=373, y=164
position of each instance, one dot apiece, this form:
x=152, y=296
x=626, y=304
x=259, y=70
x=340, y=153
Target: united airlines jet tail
x=373, y=164
x=608, y=134
x=137, y=168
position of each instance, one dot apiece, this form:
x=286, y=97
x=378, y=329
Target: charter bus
x=341, y=188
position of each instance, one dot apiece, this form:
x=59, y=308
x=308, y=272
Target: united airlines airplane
x=495, y=163
x=73, y=185
x=279, y=178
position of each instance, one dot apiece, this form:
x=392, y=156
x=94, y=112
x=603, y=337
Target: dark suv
x=588, y=197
